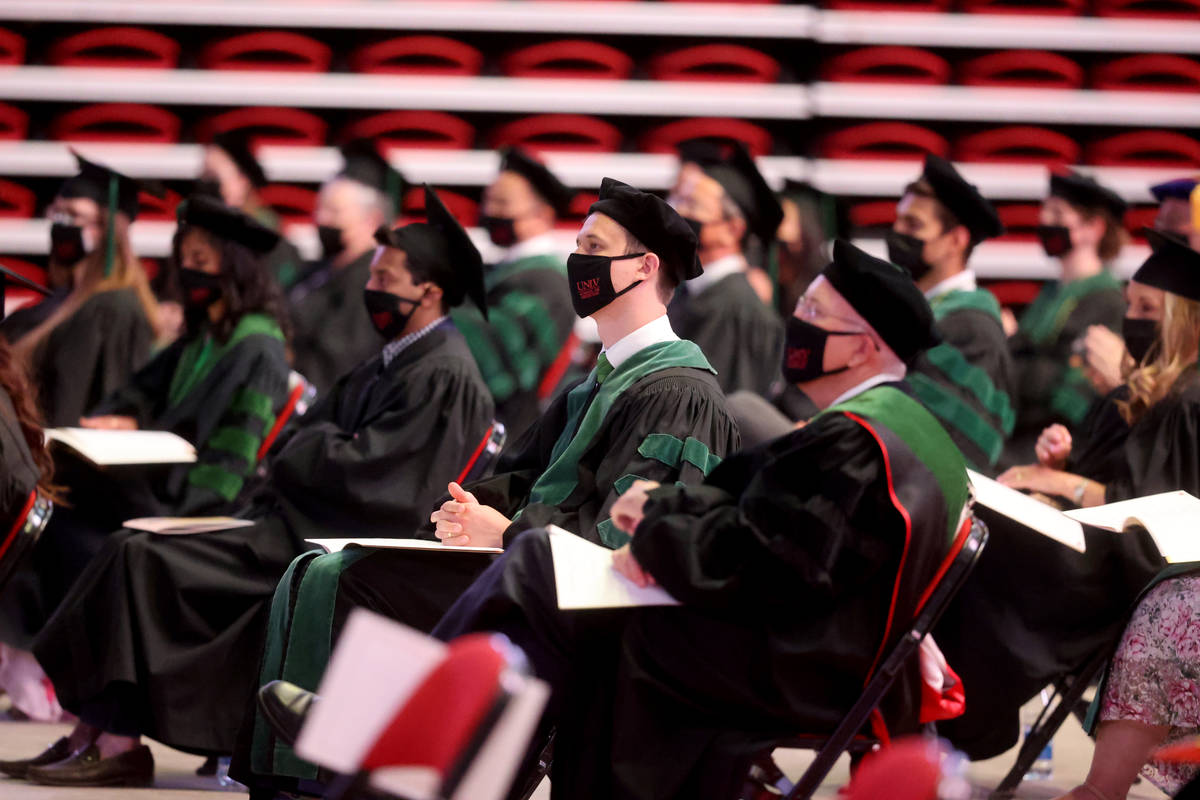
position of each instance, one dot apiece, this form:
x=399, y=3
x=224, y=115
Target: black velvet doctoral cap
x=1172, y=266
x=962, y=199
x=227, y=223
x=236, y=145
x=548, y=187
x=1079, y=190
x=886, y=297
x=1180, y=189
x=364, y=164
x=442, y=248
x=653, y=223
x=93, y=182
x=733, y=167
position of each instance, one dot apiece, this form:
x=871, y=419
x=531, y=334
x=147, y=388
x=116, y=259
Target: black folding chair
x=951, y=576
x=483, y=460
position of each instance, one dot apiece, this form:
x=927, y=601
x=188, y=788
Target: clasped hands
x=463, y=521
x=626, y=515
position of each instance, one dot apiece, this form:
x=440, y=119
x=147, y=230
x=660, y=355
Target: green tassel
x=110, y=234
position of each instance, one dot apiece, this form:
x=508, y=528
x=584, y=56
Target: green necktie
x=603, y=369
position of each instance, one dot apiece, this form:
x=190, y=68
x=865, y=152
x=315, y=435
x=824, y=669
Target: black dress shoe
x=55, y=752
x=285, y=706
x=86, y=768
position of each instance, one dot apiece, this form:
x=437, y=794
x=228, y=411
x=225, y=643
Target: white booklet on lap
x=336, y=545
x=114, y=447
x=1170, y=518
x=585, y=577
x=179, y=526
x=1028, y=511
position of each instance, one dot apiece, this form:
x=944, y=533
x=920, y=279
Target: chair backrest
x=417, y=55
x=571, y=132
x=715, y=62
x=424, y=129
x=16, y=200
x=161, y=209
x=1018, y=144
x=568, y=58
x=888, y=64
x=264, y=125
x=667, y=138
x=12, y=48
x=270, y=51
x=1035, y=68
x=483, y=459
x=1154, y=72
x=295, y=205
x=300, y=399
x=117, y=122
x=20, y=538
x=122, y=47
x=1145, y=149
x=885, y=140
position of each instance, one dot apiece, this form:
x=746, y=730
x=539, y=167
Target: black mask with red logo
x=804, y=351
x=591, y=281
x=385, y=313
x=1056, y=239
x=200, y=289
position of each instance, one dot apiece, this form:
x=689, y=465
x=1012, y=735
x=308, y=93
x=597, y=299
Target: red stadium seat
x=1018, y=144
x=568, y=58
x=883, y=140
x=16, y=201
x=12, y=48
x=1145, y=149
x=116, y=47
x=283, y=126
x=1036, y=68
x=464, y=209
x=887, y=65
x=667, y=138
x=14, y=123
x=269, y=51
x=571, y=132
x=1014, y=293
x=873, y=214
x=1166, y=9
x=1020, y=221
x=1138, y=218
x=161, y=209
x=715, y=62
x=16, y=297
x=425, y=129
x=294, y=204
x=747, y=2
x=1159, y=72
x=151, y=266
x=577, y=211
x=417, y=55
x=117, y=122
x=1055, y=8
x=889, y=5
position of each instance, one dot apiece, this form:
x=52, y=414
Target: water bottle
x=1043, y=766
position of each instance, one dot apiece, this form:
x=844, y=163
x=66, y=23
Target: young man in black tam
x=651, y=409
x=965, y=381
x=796, y=563
x=161, y=635
x=522, y=348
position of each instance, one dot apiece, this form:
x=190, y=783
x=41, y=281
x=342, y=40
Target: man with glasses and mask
x=723, y=194
x=795, y=563
x=650, y=410
x=522, y=348
x=966, y=380
x=331, y=331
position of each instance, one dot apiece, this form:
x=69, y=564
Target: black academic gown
x=23, y=320
x=1011, y=643
x=331, y=331
x=18, y=479
x=90, y=355
x=796, y=569
x=741, y=336
x=136, y=644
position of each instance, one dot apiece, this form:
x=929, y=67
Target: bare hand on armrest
x=464, y=521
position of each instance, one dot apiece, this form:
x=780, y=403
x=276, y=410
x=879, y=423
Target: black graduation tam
x=962, y=199
x=548, y=187
x=1080, y=190
x=885, y=296
x=365, y=165
x=93, y=182
x=653, y=223
x=236, y=145
x=441, y=247
x=1179, y=189
x=1172, y=266
x=227, y=223
x=732, y=166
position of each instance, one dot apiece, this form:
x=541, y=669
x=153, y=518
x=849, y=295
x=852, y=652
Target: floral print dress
x=1155, y=675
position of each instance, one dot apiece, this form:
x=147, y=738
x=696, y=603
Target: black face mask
x=908, y=252
x=804, y=351
x=385, y=313
x=331, y=241
x=66, y=244
x=591, y=281
x=499, y=230
x=209, y=187
x=1056, y=239
x=1139, y=335
x=200, y=289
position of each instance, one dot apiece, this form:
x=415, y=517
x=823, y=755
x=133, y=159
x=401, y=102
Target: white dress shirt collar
x=540, y=245
x=653, y=332
x=714, y=272
x=871, y=382
x=958, y=282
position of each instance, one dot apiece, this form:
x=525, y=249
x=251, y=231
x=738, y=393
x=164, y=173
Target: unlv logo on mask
x=382, y=319
x=797, y=357
x=588, y=289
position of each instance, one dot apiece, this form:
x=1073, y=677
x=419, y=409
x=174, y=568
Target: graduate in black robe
x=798, y=564
x=1011, y=643
x=650, y=410
x=101, y=333
x=719, y=310
x=134, y=647
x=331, y=330
x=967, y=380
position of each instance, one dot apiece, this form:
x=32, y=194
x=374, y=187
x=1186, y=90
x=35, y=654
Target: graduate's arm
x=146, y=389
x=230, y=454
x=125, y=340
x=1162, y=454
